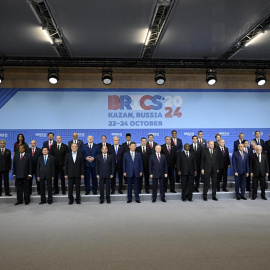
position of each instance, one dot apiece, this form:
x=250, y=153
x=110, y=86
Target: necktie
x=33, y=152
x=200, y=142
x=158, y=158
x=195, y=147
x=2, y=151
x=169, y=149
x=104, y=158
x=133, y=156
x=50, y=145
x=222, y=150
x=174, y=141
x=242, y=155
x=187, y=154
x=258, y=142
x=211, y=153
x=143, y=150
x=45, y=160
x=151, y=145
x=58, y=146
x=116, y=150
x=21, y=157
x=259, y=157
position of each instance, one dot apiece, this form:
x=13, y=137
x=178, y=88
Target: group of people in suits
x=99, y=165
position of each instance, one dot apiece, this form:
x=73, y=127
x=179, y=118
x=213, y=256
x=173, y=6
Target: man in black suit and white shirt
x=258, y=140
x=239, y=141
x=45, y=174
x=151, y=143
x=105, y=165
x=127, y=143
x=75, y=140
x=50, y=141
x=59, y=151
x=74, y=172
x=201, y=141
x=104, y=142
x=5, y=167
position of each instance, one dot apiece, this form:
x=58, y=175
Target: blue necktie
x=45, y=161
x=116, y=150
x=104, y=158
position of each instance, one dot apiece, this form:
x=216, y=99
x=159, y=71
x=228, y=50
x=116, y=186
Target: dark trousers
x=4, y=175
x=106, y=181
x=177, y=177
x=255, y=181
x=90, y=173
x=119, y=172
x=37, y=183
x=146, y=180
x=161, y=188
x=23, y=190
x=207, y=176
x=240, y=181
x=43, y=188
x=59, y=170
x=171, y=179
x=222, y=174
x=77, y=182
x=197, y=177
x=187, y=186
x=134, y=180
x=248, y=183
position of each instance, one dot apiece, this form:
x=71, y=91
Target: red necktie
x=169, y=149
x=143, y=150
x=50, y=145
x=174, y=141
x=158, y=158
x=33, y=152
x=151, y=145
x=21, y=157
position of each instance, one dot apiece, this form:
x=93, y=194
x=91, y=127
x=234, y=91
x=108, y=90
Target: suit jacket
x=179, y=144
x=198, y=154
x=186, y=165
x=224, y=160
x=235, y=145
x=208, y=163
x=46, y=144
x=86, y=152
x=105, y=169
x=203, y=144
x=72, y=169
x=119, y=157
x=152, y=149
x=126, y=147
x=146, y=157
x=256, y=167
x=59, y=155
x=131, y=167
x=5, y=160
x=172, y=157
x=34, y=159
x=267, y=148
x=158, y=170
x=79, y=143
x=45, y=171
x=240, y=166
x=22, y=168
x=101, y=144
x=262, y=144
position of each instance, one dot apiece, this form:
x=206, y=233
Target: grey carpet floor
x=228, y=234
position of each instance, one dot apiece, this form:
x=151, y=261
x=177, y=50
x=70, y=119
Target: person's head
x=143, y=141
x=104, y=139
x=174, y=134
x=115, y=140
x=194, y=139
x=245, y=143
x=45, y=151
x=151, y=137
x=221, y=142
x=33, y=143
x=217, y=137
x=258, y=149
x=168, y=140
x=128, y=137
x=21, y=149
x=20, y=138
x=74, y=147
x=58, y=139
x=240, y=147
x=75, y=136
x=186, y=147
x=132, y=146
x=104, y=149
x=252, y=144
x=257, y=134
x=241, y=136
x=200, y=134
x=2, y=143
x=90, y=139
x=50, y=136
x=158, y=149
x=211, y=144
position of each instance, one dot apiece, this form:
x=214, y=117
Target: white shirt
x=2, y=150
x=45, y=156
x=221, y=148
x=158, y=155
x=187, y=153
x=75, y=141
x=143, y=148
x=132, y=154
x=195, y=146
x=90, y=145
x=74, y=156
x=22, y=155
x=260, y=157
x=104, y=156
x=59, y=144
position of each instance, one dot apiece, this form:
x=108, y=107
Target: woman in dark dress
x=20, y=141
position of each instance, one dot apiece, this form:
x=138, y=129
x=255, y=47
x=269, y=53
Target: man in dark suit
x=127, y=143
x=267, y=149
x=169, y=150
x=5, y=167
x=133, y=169
x=104, y=143
x=117, y=151
x=201, y=141
x=105, y=165
x=151, y=143
x=187, y=168
x=158, y=170
x=241, y=171
x=90, y=151
x=50, y=141
x=210, y=169
x=259, y=169
x=74, y=172
x=75, y=140
x=145, y=153
x=249, y=152
x=239, y=141
x=59, y=151
x=197, y=149
x=258, y=140
x=35, y=153
x=179, y=146
x=22, y=173
x=224, y=164
x=45, y=174
x=217, y=137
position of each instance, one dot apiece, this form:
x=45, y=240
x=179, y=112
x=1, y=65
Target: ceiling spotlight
x=260, y=77
x=1, y=74
x=53, y=75
x=211, y=76
x=160, y=76
x=107, y=77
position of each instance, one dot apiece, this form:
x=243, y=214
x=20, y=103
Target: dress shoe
x=63, y=193
x=87, y=193
x=17, y=203
x=95, y=193
x=70, y=203
x=190, y=200
x=225, y=189
x=173, y=191
x=196, y=190
x=238, y=199
x=101, y=202
x=163, y=200
x=120, y=191
x=147, y=192
x=264, y=198
x=108, y=202
x=38, y=193
x=248, y=189
x=56, y=192
x=253, y=199
x=42, y=202
x=49, y=202
x=26, y=203
x=214, y=198
x=244, y=198
x=112, y=192
x=78, y=202
x=128, y=201
x=154, y=200
x=8, y=194
x=205, y=198
x=138, y=201
x=184, y=200
x=218, y=190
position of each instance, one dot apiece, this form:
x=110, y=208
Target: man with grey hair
x=259, y=169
